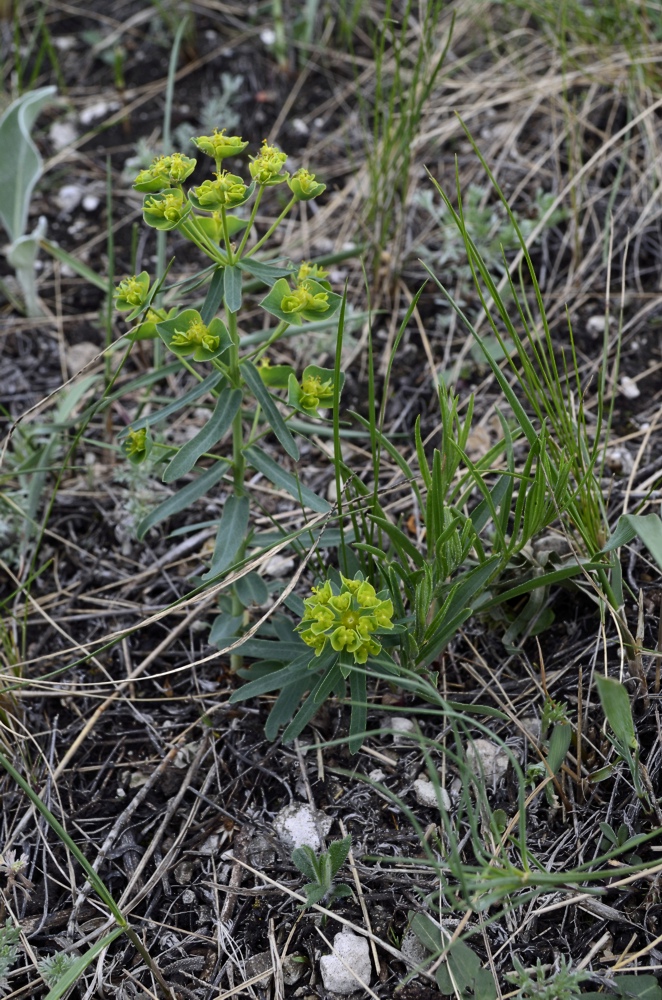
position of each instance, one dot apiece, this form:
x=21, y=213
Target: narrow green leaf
x=199, y=389
x=231, y=532
x=214, y=297
x=207, y=437
x=77, y=968
x=76, y=265
x=263, y=396
x=251, y=589
x=648, y=527
x=332, y=679
x=268, y=273
x=400, y=541
x=559, y=743
x=618, y=710
x=285, y=481
x=183, y=498
x=232, y=292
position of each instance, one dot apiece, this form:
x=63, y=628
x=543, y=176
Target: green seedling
x=322, y=870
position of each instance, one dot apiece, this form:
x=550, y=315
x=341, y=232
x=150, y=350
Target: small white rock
x=62, y=134
x=426, y=794
x=100, y=109
x=299, y=126
x=268, y=37
x=278, y=566
x=68, y=197
x=91, y=202
x=377, y=774
x=629, y=388
x=619, y=460
x=299, y=824
x=596, y=324
x=487, y=759
x=401, y=728
x=354, y=952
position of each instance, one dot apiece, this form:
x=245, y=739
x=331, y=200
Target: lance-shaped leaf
x=231, y=532
x=263, y=396
x=232, y=293
x=183, y=498
x=285, y=480
x=268, y=273
x=216, y=427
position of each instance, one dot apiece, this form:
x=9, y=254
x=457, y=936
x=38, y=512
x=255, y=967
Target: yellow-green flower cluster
x=315, y=393
x=165, y=172
x=347, y=619
x=267, y=167
x=170, y=206
x=304, y=186
x=219, y=145
x=132, y=292
x=303, y=299
x=226, y=191
x=196, y=334
x=308, y=270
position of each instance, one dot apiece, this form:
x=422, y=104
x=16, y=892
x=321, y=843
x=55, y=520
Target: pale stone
x=487, y=759
x=299, y=824
x=347, y=975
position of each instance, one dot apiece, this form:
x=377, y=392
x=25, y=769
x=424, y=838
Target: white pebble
x=629, y=388
x=299, y=824
x=100, y=109
x=344, y=971
x=68, y=197
x=487, y=759
x=268, y=37
x=91, y=202
x=62, y=134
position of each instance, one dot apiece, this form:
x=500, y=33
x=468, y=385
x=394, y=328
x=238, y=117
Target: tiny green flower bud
x=219, y=145
x=308, y=270
x=137, y=445
x=304, y=186
x=132, y=292
x=267, y=167
x=347, y=619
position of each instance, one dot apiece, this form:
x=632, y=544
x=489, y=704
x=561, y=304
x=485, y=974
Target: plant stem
x=273, y=227
x=151, y=964
x=249, y=225
x=238, y=460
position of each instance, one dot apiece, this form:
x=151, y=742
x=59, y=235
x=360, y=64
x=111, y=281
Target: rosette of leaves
x=347, y=636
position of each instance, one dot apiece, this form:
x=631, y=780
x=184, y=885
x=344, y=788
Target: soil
x=170, y=790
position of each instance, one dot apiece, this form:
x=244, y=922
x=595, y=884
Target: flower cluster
x=315, y=393
x=267, y=167
x=219, y=145
x=196, y=334
x=132, y=292
x=165, y=172
x=304, y=186
x=348, y=619
x=304, y=299
x=227, y=191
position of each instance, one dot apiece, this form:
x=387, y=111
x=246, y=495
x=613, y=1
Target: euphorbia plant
x=207, y=337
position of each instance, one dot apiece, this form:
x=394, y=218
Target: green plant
x=543, y=983
x=10, y=938
x=55, y=967
x=461, y=974
x=20, y=169
x=207, y=216
x=322, y=870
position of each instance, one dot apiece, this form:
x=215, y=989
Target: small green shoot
x=322, y=870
